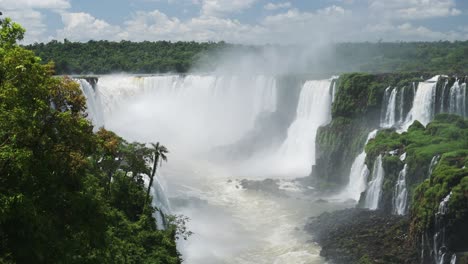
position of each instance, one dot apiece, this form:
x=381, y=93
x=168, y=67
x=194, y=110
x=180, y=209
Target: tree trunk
x=155, y=165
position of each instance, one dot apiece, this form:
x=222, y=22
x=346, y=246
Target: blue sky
x=241, y=21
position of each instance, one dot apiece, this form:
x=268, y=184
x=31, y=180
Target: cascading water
x=400, y=194
x=433, y=164
x=189, y=103
x=457, y=98
x=194, y=114
x=442, y=97
x=453, y=260
x=358, y=174
x=424, y=103
x=93, y=103
x=390, y=114
x=313, y=111
x=439, y=240
x=374, y=188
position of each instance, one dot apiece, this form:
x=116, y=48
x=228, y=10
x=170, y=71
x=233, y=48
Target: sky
x=240, y=21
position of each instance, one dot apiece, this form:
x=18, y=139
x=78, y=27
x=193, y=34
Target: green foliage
x=356, y=112
x=65, y=196
x=447, y=137
x=99, y=57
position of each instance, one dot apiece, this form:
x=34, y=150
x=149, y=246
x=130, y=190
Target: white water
x=192, y=115
x=197, y=112
x=401, y=107
x=358, y=175
x=374, y=188
x=313, y=111
x=400, y=194
x=439, y=230
x=93, y=103
x=424, y=103
x=432, y=165
x=390, y=114
x=457, y=98
x=453, y=260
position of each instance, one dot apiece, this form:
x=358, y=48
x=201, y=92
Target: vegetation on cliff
x=356, y=112
x=437, y=159
x=65, y=192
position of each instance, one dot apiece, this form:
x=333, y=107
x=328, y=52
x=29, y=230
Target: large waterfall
x=313, y=111
x=198, y=116
x=214, y=110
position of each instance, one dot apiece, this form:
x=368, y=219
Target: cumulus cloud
x=29, y=4
x=340, y=21
x=32, y=20
x=223, y=7
x=83, y=26
x=28, y=14
x=273, y=6
x=414, y=9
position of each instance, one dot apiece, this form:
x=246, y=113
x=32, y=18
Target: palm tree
x=159, y=155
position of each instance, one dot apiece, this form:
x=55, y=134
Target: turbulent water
x=194, y=116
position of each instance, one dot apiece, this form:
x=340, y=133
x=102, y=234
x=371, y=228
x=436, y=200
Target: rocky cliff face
x=424, y=171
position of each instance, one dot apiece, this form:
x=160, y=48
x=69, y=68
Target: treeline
x=109, y=57
x=430, y=57
x=101, y=57
x=68, y=195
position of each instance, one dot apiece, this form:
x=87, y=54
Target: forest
x=68, y=194
x=101, y=57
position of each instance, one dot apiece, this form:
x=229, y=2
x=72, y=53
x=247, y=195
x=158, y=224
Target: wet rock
x=363, y=236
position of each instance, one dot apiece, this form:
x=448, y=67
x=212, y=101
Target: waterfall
x=402, y=105
x=358, y=174
x=400, y=193
x=93, y=103
x=442, y=97
x=423, y=108
x=453, y=260
x=160, y=201
x=217, y=110
x=439, y=239
x=374, y=189
x=390, y=113
x=457, y=99
x=433, y=164
x=313, y=111
x=334, y=90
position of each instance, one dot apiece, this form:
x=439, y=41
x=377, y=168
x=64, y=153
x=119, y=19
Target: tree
x=64, y=196
x=159, y=155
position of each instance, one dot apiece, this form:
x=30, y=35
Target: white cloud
x=408, y=32
x=222, y=7
x=28, y=4
x=26, y=13
x=83, y=26
x=391, y=20
x=273, y=6
x=32, y=20
x=413, y=9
